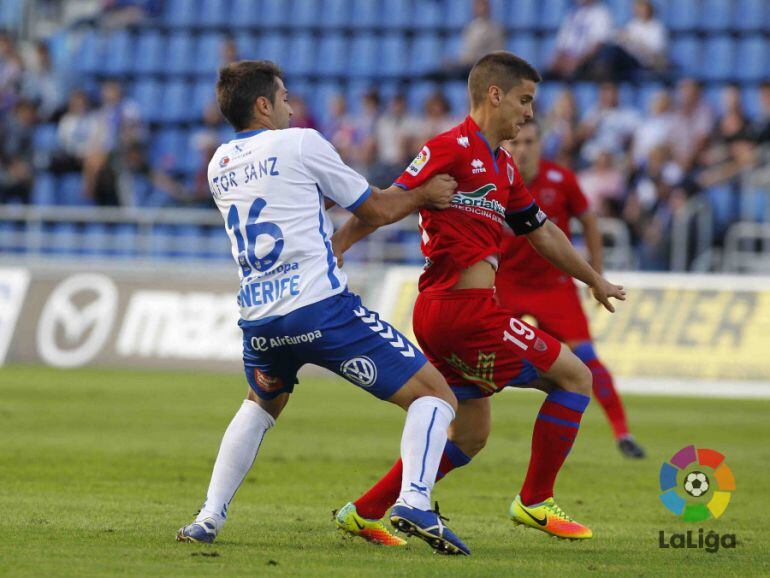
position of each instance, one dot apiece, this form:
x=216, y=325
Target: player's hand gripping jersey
x=490, y=192
x=556, y=190
x=269, y=186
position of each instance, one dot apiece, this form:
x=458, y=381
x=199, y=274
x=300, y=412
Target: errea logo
x=478, y=167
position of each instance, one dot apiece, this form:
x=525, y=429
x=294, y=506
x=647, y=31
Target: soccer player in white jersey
x=271, y=183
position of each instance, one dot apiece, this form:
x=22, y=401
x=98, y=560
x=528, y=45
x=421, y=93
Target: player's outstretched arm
x=593, y=237
x=389, y=206
x=553, y=244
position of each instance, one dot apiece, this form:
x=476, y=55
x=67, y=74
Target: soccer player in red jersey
x=477, y=345
x=527, y=284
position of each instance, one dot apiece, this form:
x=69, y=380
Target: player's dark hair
x=240, y=84
x=501, y=69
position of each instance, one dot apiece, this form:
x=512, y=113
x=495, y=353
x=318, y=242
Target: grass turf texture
x=99, y=468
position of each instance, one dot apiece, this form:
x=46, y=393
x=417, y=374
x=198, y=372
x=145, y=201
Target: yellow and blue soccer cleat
x=428, y=526
x=548, y=517
x=374, y=531
x=204, y=532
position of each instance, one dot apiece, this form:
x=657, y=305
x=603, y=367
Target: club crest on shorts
x=360, y=370
x=266, y=382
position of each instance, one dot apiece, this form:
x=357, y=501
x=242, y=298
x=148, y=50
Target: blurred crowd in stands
x=637, y=165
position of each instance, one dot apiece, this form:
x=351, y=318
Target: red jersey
x=490, y=192
x=557, y=191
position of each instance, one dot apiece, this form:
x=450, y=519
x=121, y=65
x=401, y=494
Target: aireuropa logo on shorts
x=696, y=486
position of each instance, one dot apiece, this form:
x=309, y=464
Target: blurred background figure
x=581, y=36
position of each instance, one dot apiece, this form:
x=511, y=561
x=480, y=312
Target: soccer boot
x=629, y=448
x=374, y=531
x=427, y=525
x=548, y=517
x=204, y=531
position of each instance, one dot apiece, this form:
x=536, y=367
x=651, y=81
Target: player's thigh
x=272, y=406
x=569, y=373
x=472, y=425
x=428, y=381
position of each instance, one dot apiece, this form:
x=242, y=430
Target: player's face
x=516, y=108
x=525, y=148
x=282, y=111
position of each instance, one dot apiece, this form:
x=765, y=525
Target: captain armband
x=526, y=220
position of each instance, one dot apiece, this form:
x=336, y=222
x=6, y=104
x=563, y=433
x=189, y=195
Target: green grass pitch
x=99, y=468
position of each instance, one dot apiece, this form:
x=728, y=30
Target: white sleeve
x=335, y=179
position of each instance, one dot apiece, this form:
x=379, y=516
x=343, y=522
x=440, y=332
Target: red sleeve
x=576, y=200
x=434, y=158
x=520, y=197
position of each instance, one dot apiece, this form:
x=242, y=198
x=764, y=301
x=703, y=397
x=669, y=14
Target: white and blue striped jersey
x=270, y=187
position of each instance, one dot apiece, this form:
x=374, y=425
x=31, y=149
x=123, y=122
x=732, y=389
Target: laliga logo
x=696, y=484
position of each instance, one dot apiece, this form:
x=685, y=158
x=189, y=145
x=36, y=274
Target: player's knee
x=583, y=379
x=574, y=376
x=471, y=444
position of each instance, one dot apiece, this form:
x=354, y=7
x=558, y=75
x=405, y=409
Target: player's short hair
x=502, y=69
x=240, y=84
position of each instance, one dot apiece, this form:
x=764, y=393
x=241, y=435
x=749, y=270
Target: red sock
x=382, y=495
x=607, y=395
x=555, y=430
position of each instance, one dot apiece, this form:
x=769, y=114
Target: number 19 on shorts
x=520, y=329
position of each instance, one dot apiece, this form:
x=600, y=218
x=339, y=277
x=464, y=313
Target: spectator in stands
x=656, y=128
x=340, y=128
x=72, y=134
x=763, y=124
x=10, y=72
x=693, y=123
x=653, y=201
x=302, y=117
x=603, y=184
x=560, y=130
x=42, y=85
x=210, y=128
x=365, y=142
x=120, y=13
x=585, y=29
x=732, y=125
x=117, y=124
x=197, y=194
x=640, y=45
x=17, y=152
x=609, y=126
x=395, y=133
x=436, y=119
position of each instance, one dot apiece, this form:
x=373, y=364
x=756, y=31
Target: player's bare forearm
x=352, y=231
x=554, y=245
x=593, y=239
x=395, y=203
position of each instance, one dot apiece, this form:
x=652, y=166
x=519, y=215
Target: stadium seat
x=272, y=47
x=457, y=94
x=44, y=189
x=125, y=237
x=60, y=239
x=645, y=94
x=69, y=190
x=428, y=15
x=545, y=51
x=621, y=10
x=175, y=105
x=752, y=59
x=425, y=54
x=524, y=45
x=755, y=206
x=458, y=14
x=751, y=15
x=274, y=14
x=393, y=60
x=519, y=14
x=216, y=13
x=552, y=13
x=300, y=55
x=681, y=15
x=718, y=59
x=208, y=53
x=685, y=53
x=305, y=13
x=332, y=55
x=545, y=97
x=586, y=96
x=364, y=55
x=245, y=13
x=167, y=149
x=716, y=15
x=183, y=13
x=417, y=93
x=203, y=94
x=400, y=14
x=150, y=55
x=147, y=94
x=179, y=57
x=335, y=13
x=118, y=53
x=365, y=14
x=247, y=45
x=723, y=204
x=44, y=138
x=89, y=55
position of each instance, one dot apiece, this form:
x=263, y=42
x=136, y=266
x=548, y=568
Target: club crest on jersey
x=511, y=174
x=478, y=166
x=224, y=162
x=463, y=141
x=475, y=200
x=419, y=162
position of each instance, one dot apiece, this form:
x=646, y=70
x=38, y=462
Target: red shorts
x=478, y=346
x=558, y=311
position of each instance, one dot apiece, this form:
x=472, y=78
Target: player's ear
x=495, y=95
x=263, y=106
